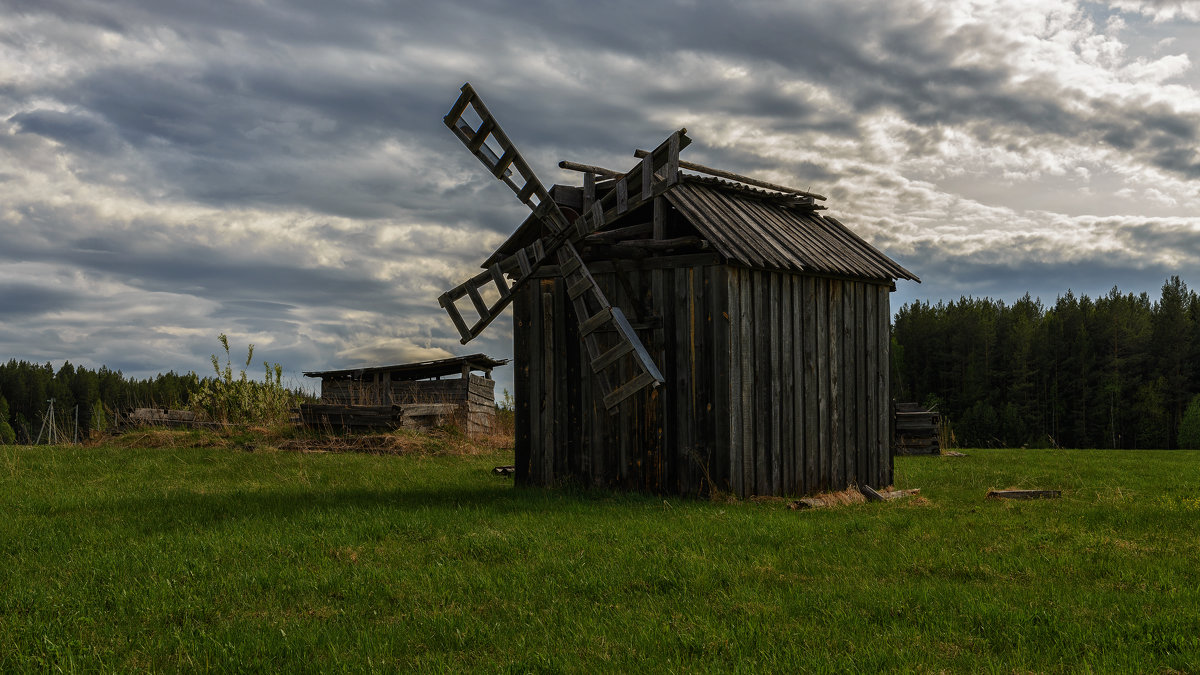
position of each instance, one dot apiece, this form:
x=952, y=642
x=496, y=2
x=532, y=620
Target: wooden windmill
x=605, y=331
x=767, y=320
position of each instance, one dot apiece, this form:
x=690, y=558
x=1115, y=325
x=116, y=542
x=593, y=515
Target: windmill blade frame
x=655, y=173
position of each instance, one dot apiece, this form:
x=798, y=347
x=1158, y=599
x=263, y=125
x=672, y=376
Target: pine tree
x=1189, y=427
x=7, y=435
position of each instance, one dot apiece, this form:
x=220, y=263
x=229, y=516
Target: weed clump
x=241, y=400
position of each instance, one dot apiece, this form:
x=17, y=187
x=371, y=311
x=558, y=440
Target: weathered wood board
x=776, y=384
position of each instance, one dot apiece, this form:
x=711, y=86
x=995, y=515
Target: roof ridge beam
x=588, y=168
x=700, y=168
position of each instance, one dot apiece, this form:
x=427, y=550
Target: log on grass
x=870, y=493
x=1024, y=494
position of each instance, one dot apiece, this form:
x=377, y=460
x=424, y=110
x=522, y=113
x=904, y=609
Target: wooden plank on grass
x=1024, y=494
x=870, y=493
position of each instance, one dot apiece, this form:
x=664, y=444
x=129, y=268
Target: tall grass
x=506, y=415
x=241, y=400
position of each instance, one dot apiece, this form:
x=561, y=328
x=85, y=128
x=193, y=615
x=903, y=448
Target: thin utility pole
x=42, y=429
x=52, y=436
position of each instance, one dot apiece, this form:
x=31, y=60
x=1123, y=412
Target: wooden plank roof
x=760, y=229
x=415, y=371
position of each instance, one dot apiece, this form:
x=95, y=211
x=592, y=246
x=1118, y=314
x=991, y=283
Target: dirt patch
x=261, y=439
x=375, y=444
x=165, y=438
x=843, y=498
x=829, y=499
x=825, y=499
x=400, y=443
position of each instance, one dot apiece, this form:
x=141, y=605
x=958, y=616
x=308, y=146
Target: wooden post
x=589, y=192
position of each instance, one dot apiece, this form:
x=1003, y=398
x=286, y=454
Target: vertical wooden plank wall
x=883, y=314
x=776, y=384
x=722, y=384
x=522, y=394
x=807, y=383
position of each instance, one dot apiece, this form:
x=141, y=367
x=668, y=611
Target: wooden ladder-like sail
x=597, y=316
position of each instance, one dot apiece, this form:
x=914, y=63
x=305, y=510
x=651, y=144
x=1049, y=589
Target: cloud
x=21, y=299
x=81, y=132
x=279, y=170
x=1160, y=10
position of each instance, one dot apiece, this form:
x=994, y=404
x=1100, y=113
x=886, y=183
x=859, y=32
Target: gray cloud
x=80, y=132
x=280, y=169
x=955, y=277
x=19, y=300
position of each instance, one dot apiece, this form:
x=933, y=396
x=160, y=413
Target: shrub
x=979, y=426
x=240, y=400
x=1189, y=426
x=7, y=435
x=99, y=417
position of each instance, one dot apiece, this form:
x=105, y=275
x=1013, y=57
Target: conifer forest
x=94, y=395
x=1119, y=371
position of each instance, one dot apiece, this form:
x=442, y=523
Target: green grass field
x=221, y=559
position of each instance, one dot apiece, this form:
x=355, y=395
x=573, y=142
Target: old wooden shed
x=421, y=394
x=769, y=320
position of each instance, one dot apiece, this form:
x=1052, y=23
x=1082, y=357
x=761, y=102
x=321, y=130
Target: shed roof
x=759, y=228
x=762, y=229
x=415, y=371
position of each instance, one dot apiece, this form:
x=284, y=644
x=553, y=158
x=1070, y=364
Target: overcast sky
x=278, y=171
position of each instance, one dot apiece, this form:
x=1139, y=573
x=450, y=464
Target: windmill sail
x=656, y=172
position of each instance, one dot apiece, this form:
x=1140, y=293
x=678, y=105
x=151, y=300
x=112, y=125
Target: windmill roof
x=761, y=229
x=757, y=228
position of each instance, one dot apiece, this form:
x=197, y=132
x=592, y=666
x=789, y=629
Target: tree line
x=87, y=400
x=1120, y=371
x=26, y=389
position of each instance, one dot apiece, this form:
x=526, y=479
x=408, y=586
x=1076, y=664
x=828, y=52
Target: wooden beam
x=588, y=168
x=589, y=191
x=640, y=249
x=610, y=236
x=870, y=493
x=689, y=242
x=700, y=168
x=600, y=253
x=1024, y=494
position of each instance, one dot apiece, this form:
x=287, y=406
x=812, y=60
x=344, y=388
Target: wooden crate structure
x=770, y=321
x=425, y=394
x=915, y=430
